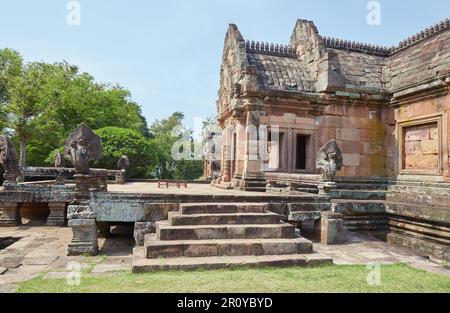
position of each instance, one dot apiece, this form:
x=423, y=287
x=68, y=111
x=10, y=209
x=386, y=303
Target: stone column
x=331, y=228
x=57, y=216
x=9, y=215
x=226, y=160
x=252, y=176
x=82, y=219
x=82, y=146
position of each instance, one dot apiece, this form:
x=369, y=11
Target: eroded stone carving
x=141, y=229
x=81, y=147
x=8, y=157
x=59, y=160
x=249, y=78
x=124, y=163
x=329, y=159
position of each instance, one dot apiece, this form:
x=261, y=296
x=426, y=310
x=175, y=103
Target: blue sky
x=168, y=53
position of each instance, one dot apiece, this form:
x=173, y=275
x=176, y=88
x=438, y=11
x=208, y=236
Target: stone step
x=358, y=194
x=216, y=208
x=165, y=231
x=142, y=265
x=155, y=248
x=176, y=219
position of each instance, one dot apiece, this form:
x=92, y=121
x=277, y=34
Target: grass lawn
x=394, y=278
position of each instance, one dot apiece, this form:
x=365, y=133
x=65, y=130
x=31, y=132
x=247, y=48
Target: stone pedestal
x=331, y=228
x=84, y=228
x=9, y=214
x=121, y=177
x=57, y=216
x=141, y=229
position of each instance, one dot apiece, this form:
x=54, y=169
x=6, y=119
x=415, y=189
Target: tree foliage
x=166, y=134
x=122, y=141
x=43, y=103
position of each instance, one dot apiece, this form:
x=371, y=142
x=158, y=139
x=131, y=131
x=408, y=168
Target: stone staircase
x=215, y=235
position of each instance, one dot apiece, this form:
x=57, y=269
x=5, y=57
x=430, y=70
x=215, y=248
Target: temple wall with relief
x=423, y=138
x=418, y=202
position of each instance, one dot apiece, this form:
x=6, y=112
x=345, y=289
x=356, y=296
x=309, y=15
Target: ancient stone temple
x=386, y=108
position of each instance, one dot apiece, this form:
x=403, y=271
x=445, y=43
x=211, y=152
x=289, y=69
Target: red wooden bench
x=167, y=183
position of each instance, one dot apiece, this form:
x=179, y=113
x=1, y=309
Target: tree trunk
x=23, y=152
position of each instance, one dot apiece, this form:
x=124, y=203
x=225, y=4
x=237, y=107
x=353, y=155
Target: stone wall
x=361, y=132
x=423, y=137
x=418, y=63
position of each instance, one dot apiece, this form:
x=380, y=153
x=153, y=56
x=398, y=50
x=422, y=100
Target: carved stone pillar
x=226, y=163
x=252, y=177
x=57, y=216
x=9, y=214
x=82, y=219
x=81, y=147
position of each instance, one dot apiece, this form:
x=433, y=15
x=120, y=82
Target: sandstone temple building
x=386, y=108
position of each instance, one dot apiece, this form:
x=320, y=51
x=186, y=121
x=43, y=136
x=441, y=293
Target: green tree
x=41, y=104
x=25, y=103
x=121, y=141
x=169, y=135
x=10, y=69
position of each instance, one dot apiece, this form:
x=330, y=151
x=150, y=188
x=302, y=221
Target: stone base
x=422, y=246
x=57, y=216
x=252, y=184
x=84, y=240
x=121, y=178
x=10, y=216
x=331, y=228
x=141, y=229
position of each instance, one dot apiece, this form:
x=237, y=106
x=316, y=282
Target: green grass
x=394, y=278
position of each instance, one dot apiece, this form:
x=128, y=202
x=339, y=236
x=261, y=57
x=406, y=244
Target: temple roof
x=280, y=72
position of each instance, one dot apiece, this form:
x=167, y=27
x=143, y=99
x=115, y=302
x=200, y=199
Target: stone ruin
x=83, y=146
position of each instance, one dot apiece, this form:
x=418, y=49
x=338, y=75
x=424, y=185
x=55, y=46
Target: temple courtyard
x=36, y=260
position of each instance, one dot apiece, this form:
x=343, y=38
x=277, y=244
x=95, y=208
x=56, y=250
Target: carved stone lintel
x=57, y=216
x=329, y=159
x=9, y=214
